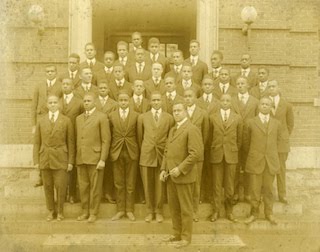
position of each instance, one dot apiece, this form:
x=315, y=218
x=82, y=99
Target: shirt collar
x=90, y=112
x=222, y=112
x=74, y=72
x=179, y=124
x=156, y=56
x=245, y=95
x=153, y=111
x=262, y=117
x=56, y=114
x=275, y=99
x=173, y=94
x=224, y=85
x=135, y=97
x=194, y=58
x=108, y=69
x=84, y=85
x=51, y=81
x=103, y=98
x=92, y=60
x=154, y=79
x=120, y=82
x=126, y=111
x=70, y=96
x=142, y=63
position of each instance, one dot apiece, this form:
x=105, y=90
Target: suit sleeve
x=34, y=106
x=140, y=130
x=70, y=142
x=37, y=144
x=246, y=136
x=105, y=137
x=290, y=118
x=240, y=133
x=205, y=128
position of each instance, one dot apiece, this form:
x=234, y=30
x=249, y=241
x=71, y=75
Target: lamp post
x=248, y=16
x=36, y=16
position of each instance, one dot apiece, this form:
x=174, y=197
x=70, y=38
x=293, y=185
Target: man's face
x=262, y=75
x=177, y=58
x=118, y=72
x=51, y=72
x=265, y=106
x=207, y=86
x=103, y=89
x=88, y=102
x=170, y=84
x=224, y=76
x=67, y=86
x=273, y=88
x=136, y=40
x=122, y=51
x=154, y=48
x=216, y=60
x=189, y=97
x=123, y=100
x=242, y=85
x=139, y=55
x=156, y=101
x=108, y=59
x=179, y=112
x=90, y=51
x=73, y=64
x=245, y=61
x=138, y=87
x=156, y=70
x=194, y=49
x=53, y=104
x=186, y=72
x=86, y=75
x=225, y=101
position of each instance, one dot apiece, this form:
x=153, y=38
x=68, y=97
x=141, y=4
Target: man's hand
x=101, y=165
x=36, y=166
x=163, y=176
x=70, y=167
x=175, y=172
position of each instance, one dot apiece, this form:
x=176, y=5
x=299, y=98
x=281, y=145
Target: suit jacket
x=211, y=107
x=134, y=75
x=200, y=119
x=247, y=111
x=93, y=138
x=76, y=81
x=150, y=86
x=80, y=92
x=184, y=149
x=54, y=145
x=162, y=60
x=144, y=106
x=73, y=109
x=252, y=78
x=167, y=105
x=108, y=107
x=226, y=138
x=199, y=70
x=180, y=89
x=39, y=101
x=217, y=91
x=284, y=114
x=114, y=89
x=124, y=133
x=257, y=93
x=152, y=137
x=95, y=68
x=103, y=75
x=262, y=144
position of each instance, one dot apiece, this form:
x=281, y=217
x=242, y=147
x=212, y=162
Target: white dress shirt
x=207, y=97
x=179, y=124
x=124, y=112
x=50, y=83
x=225, y=114
x=243, y=97
x=55, y=115
x=67, y=97
x=264, y=118
x=173, y=94
x=92, y=60
x=191, y=109
x=226, y=86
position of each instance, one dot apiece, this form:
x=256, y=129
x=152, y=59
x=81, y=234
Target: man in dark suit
x=122, y=51
x=261, y=138
x=71, y=107
x=155, y=83
x=170, y=96
x=281, y=110
x=223, y=86
x=182, y=153
x=119, y=82
x=139, y=69
x=155, y=56
x=226, y=139
x=107, y=72
x=39, y=101
x=136, y=40
x=246, y=71
x=177, y=58
x=187, y=81
x=86, y=85
x=199, y=68
x=73, y=70
x=246, y=106
x=93, y=143
x=207, y=100
x=199, y=118
x=216, y=64
x=153, y=130
x=91, y=61
x=261, y=89
x=124, y=154
x=53, y=153
x=137, y=102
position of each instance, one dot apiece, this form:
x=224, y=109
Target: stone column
x=80, y=25
x=207, y=27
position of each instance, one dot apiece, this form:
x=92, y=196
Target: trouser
x=90, y=186
x=153, y=189
x=181, y=209
x=197, y=184
x=262, y=184
x=206, y=181
x=72, y=183
x=53, y=178
x=108, y=181
x=240, y=169
x=125, y=174
x=223, y=176
x=281, y=177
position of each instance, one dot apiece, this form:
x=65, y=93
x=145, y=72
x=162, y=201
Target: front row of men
x=173, y=148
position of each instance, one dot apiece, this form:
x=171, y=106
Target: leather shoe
x=60, y=217
x=214, y=217
x=38, y=183
x=195, y=217
x=159, y=218
x=131, y=216
x=283, y=200
x=272, y=220
x=50, y=216
x=82, y=217
x=117, y=216
x=230, y=217
x=92, y=218
x=250, y=219
x=72, y=200
x=109, y=199
x=181, y=244
x=171, y=238
x=148, y=218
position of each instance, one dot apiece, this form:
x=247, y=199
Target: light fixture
x=248, y=16
x=36, y=16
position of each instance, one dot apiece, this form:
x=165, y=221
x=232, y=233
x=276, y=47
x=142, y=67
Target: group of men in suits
x=107, y=127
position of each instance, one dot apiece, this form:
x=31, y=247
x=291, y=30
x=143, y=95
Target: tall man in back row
x=183, y=151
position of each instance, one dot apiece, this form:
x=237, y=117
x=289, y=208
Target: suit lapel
x=56, y=124
x=230, y=120
x=280, y=107
x=259, y=124
x=196, y=115
x=180, y=130
x=217, y=117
